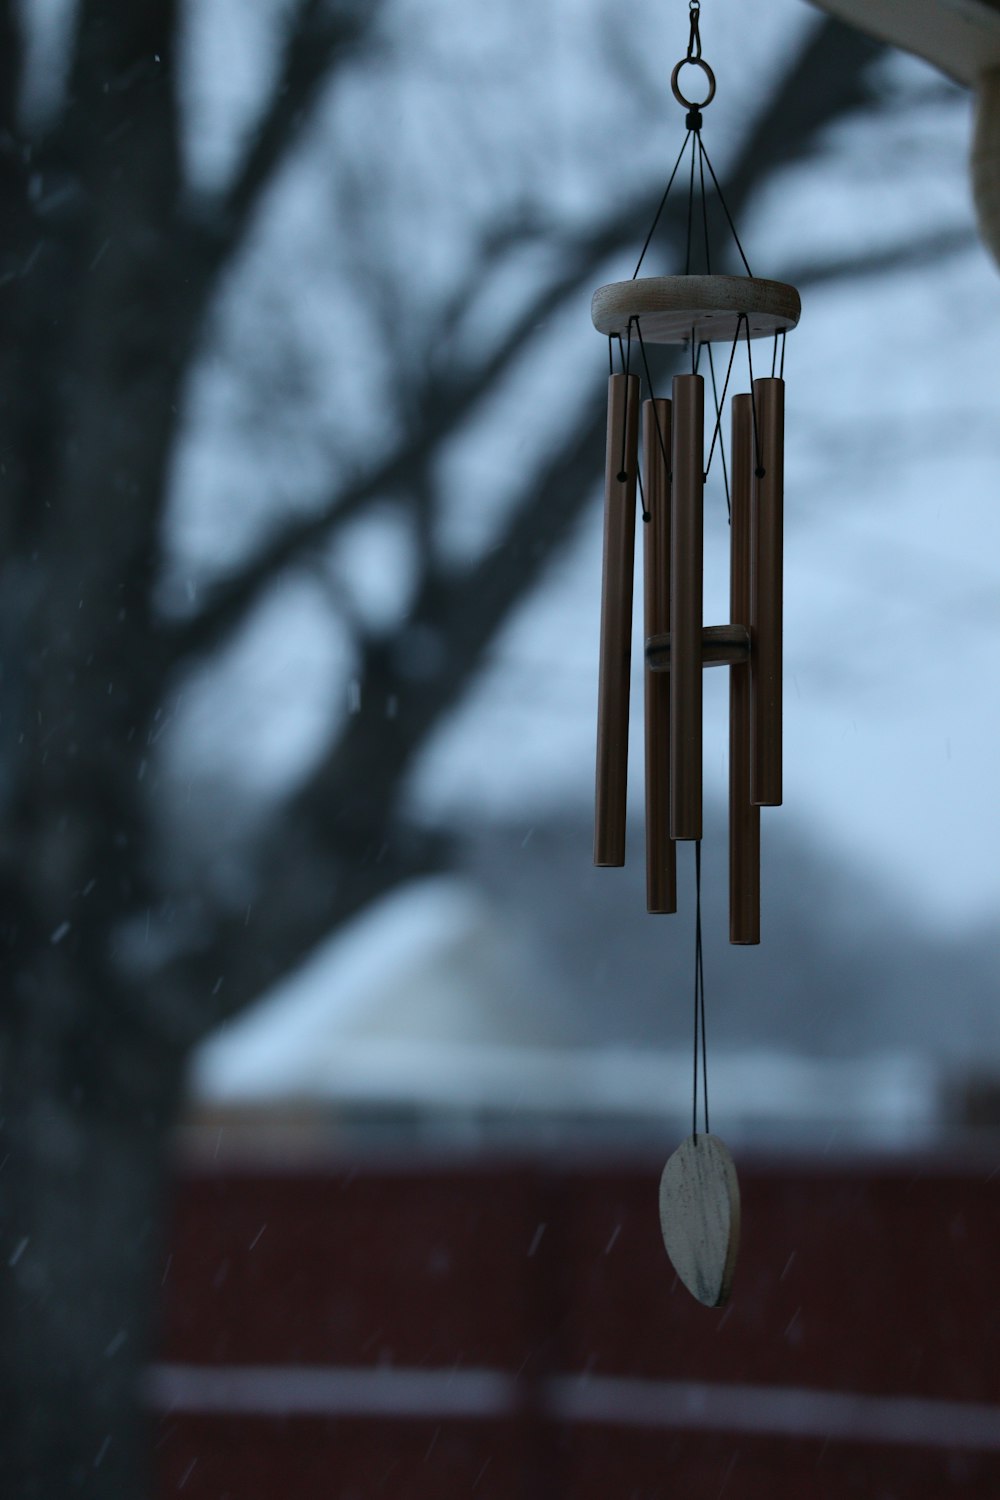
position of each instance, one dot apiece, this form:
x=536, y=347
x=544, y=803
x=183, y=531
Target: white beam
x=961, y=37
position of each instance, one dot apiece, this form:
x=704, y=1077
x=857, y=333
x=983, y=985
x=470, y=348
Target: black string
x=663, y=204
x=758, y=466
x=779, y=334
x=638, y=472
x=622, y=472
x=718, y=432
x=611, y=356
x=704, y=205
x=656, y=414
x=720, y=404
x=701, y=976
x=700, y=1035
x=704, y=160
x=687, y=261
x=725, y=209
x=697, y=992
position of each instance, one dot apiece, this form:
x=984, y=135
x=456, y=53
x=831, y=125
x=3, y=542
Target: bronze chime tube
x=661, y=855
x=766, y=588
x=744, y=817
x=686, y=547
x=616, y=619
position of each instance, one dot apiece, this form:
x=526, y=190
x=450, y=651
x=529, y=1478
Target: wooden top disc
x=700, y=1217
x=670, y=307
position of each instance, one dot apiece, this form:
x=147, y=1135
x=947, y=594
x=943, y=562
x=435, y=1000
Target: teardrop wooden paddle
x=700, y=1217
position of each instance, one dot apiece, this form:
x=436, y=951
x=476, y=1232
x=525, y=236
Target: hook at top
x=694, y=40
x=693, y=58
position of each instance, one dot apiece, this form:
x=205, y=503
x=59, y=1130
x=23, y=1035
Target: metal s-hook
x=693, y=58
x=694, y=40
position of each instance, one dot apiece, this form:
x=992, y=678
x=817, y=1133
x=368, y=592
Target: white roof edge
x=759, y=1083
x=961, y=37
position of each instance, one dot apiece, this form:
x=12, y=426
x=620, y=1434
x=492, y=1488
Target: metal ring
x=693, y=62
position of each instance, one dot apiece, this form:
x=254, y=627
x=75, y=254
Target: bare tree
x=111, y=272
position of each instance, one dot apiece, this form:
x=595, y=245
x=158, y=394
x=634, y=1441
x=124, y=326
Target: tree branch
x=123, y=62
x=826, y=81
x=930, y=250
x=322, y=35
x=11, y=64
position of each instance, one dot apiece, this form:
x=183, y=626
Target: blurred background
x=301, y=440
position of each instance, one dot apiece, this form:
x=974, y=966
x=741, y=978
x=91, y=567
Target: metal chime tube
x=686, y=548
x=766, y=590
x=661, y=855
x=616, y=619
x=744, y=817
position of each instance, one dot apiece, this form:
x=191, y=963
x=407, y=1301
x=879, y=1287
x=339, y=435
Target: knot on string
x=759, y=472
x=693, y=119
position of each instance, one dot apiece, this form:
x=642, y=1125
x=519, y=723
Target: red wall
x=533, y=1340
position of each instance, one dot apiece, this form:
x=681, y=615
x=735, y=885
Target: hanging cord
x=718, y=434
x=759, y=470
x=774, y=357
x=687, y=258
x=693, y=120
x=663, y=204
x=625, y=350
x=704, y=205
x=623, y=472
x=642, y=496
x=700, y=1036
x=656, y=415
x=725, y=207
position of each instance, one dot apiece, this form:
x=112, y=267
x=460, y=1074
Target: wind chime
x=699, y=1194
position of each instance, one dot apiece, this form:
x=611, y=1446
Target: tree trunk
x=81, y=1207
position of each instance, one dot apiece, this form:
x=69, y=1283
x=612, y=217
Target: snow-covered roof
x=420, y=1006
